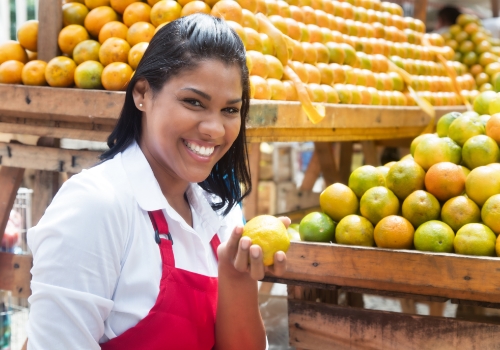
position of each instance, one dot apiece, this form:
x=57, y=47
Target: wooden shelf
x=91, y=115
x=449, y=276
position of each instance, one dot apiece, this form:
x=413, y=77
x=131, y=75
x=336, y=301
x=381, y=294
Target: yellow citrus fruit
x=32, y=56
x=390, y=164
x=165, y=11
x=364, y=178
x=120, y=5
x=229, y=10
x=384, y=170
x=275, y=68
x=420, y=207
x=278, y=92
x=293, y=232
x=27, y=35
x=434, y=236
x=475, y=239
x=114, y=50
x=394, y=232
x=71, y=36
x=88, y=75
x=464, y=127
x=60, y=72
x=482, y=183
x=417, y=140
x=445, y=180
x=34, y=73
x=444, y=123
x=113, y=29
x=74, y=13
x=482, y=102
x=405, y=177
x=237, y=28
x=140, y=32
x=355, y=230
x=249, y=5
x=262, y=90
x=493, y=127
x=87, y=50
x=97, y=18
x=249, y=20
x=135, y=54
x=12, y=50
x=11, y=72
x=116, y=76
x=291, y=91
x=317, y=227
x=433, y=150
x=338, y=201
x=460, y=211
x=377, y=203
x=254, y=40
x=137, y=12
x=490, y=213
x=480, y=150
x=92, y=4
x=260, y=66
x=196, y=6
x=270, y=234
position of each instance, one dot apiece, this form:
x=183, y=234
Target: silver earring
x=140, y=104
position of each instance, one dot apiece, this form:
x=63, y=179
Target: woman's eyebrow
x=201, y=93
x=236, y=100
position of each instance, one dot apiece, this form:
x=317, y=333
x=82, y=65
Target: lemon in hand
x=270, y=234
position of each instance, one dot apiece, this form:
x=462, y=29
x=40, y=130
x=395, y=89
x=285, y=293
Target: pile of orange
x=341, y=52
x=443, y=197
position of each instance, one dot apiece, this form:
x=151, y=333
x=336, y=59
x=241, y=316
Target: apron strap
x=215, y=242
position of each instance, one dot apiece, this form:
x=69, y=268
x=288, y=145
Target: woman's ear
x=140, y=94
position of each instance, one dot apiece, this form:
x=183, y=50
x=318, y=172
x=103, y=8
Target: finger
x=241, y=260
x=285, y=220
x=233, y=241
x=279, y=267
x=257, y=269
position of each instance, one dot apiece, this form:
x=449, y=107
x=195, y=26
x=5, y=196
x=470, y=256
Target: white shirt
x=97, y=267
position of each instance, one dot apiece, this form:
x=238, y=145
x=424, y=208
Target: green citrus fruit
x=405, y=177
x=434, y=236
x=364, y=178
x=317, y=227
x=480, y=150
x=460, y=211
x=377, y=203
x=444, y=123
x=420, y=207
x=417, y=140
x=475, y=239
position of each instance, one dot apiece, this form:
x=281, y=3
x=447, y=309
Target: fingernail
x=245, y=244
x=255, y=253
x=280, y=257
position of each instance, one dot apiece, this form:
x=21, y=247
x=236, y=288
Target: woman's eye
x=232, y=110
x=195, y=103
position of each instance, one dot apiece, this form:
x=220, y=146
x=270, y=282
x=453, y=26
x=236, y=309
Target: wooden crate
x=312, y=268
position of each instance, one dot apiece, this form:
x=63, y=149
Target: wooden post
x=326, y=159
x=370, y=153
x=251, y=201
x=10, y=179
x=495, y=8
x=49, y=26
x=311, y=174
x=345, y=161
x=420, y=10
x=4, y=21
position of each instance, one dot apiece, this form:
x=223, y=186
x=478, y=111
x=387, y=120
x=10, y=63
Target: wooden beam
x=322, y=326
x=46, y=158
x=495, y=8
x=370, y=153
x=420, y=10
x=345, y=161
x=15, y=274
x=250, y=202
x=50, y=24
x=10, y=180
x=327, y=162
x=311, y=174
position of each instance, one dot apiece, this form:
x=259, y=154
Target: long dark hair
x=178, y=46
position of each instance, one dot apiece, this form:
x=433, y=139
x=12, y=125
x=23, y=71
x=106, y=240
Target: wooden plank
x=321, y=326
x=420, y=10
x=311, y=174
x=345, y=161
x=326, y=161
x=15, y=273
x=10, y=180
x=405, y=271
x=370, y=153
x=46, y=158
x=50, y=24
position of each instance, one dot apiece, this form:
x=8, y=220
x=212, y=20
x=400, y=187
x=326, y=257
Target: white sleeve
x=77, y=248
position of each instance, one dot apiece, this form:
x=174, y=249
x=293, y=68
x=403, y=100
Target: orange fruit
x=475, y=239
x=405, y=177
x=140, y=32
x=275, y=68
x=310, y=53
x=490, y=213
x=432, y=150
x=313, y=74
x=434, y=236
x=262, y=89
x=165, y=11
x=299, y=69
x=261, y=7
x=70, y=36
x=493, y=128
x=254, y=41
x=116, y=76
x=249, y=5
x=326, y=73
x=135, y=54
x=88, y=75
x=482, y=183
x=338, y=201
x=459, y=211
x=364, y=178
x=280, y=23
x=480, y=150
x=113, y=29
x=377, y=203
x=114, y=50
x=260, y=66
x=120, y=5
x=290, y=90
x=354, y=230
x=394, y=232
x=445, y=180
x=272, y=7
x=234, y=26
x=92, y=4
x=97, y=18
x=60, y=72
x=249, y=20
x=87, y=50
x=11, y=72
x=293, y=29
x=27, y=35
x=420, y=207
x=12, y=50
x=195, y=7
x=137, y=12
x=34, y=73
x=278, y=91
x=74, y=13
x=229, y=10
x=32, y=55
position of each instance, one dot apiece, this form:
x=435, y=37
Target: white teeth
x=202, y=151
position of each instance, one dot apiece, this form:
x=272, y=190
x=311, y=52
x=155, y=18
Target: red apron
x=184, y=314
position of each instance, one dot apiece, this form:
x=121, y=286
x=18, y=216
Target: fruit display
x=306, y=50
x=442, y=197
x=476, y=48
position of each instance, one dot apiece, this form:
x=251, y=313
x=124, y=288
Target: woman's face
x=192, y=122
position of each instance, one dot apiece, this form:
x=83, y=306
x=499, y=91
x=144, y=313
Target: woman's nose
x=213, y=126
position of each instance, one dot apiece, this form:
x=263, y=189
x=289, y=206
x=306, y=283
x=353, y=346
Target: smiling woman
x=106, y=268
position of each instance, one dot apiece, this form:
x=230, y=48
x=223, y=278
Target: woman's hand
x=239, y=257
